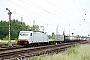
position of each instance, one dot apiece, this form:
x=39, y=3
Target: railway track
x=10, y=48
x=35, y=51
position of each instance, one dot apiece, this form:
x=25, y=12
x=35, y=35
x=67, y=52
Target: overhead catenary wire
x=54, y=14
x=37, y=6
x=35, y=19
x=24, y=16
x=78, y=8
x=80, y=11
x=50, y=24
x=1, y=16
x=82, y=8
x=55, y=7
x=45, y=10
x=27, y=17
x=17, y=14
x=26, y=8
x=60, y=8
x=81, y=5
x=35, y=13
x=21, y=15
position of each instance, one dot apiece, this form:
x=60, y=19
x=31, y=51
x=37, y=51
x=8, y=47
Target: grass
x=6, y=41
x=76, y=52
x=51, y=39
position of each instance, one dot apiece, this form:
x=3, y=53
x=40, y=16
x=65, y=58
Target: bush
x=6, y=38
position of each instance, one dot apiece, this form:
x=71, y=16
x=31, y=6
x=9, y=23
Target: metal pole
x=9, y=29
x=34, y=25
x=9, y=13
x=42, y=28
x=57, y=32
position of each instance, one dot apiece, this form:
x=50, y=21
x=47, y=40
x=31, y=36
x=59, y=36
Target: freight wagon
x=59, y=38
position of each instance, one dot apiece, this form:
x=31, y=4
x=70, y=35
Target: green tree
x=49, y=36
x=3, y=29
x=16, y=27
x=27, y=27
x=52, y=35
x=35, y=28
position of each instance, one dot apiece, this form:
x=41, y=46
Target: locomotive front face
x=23, y=38
x=23, y=41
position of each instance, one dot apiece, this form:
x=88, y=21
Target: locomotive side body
x=39, y=37
x=30, y=37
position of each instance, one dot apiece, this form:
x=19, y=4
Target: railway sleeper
x=47, y=51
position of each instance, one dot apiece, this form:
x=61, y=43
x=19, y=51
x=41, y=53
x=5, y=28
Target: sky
x=71, y=16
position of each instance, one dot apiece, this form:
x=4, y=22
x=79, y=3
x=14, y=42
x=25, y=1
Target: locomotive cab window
x=31, y=34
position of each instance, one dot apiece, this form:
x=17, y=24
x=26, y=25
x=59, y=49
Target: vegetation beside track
x=76, y=52
x=6, y=41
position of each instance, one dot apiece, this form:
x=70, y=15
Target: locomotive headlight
x=26, y=40
x=19, y=40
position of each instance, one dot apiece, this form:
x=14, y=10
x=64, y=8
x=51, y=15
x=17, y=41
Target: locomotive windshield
x=23, y=34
